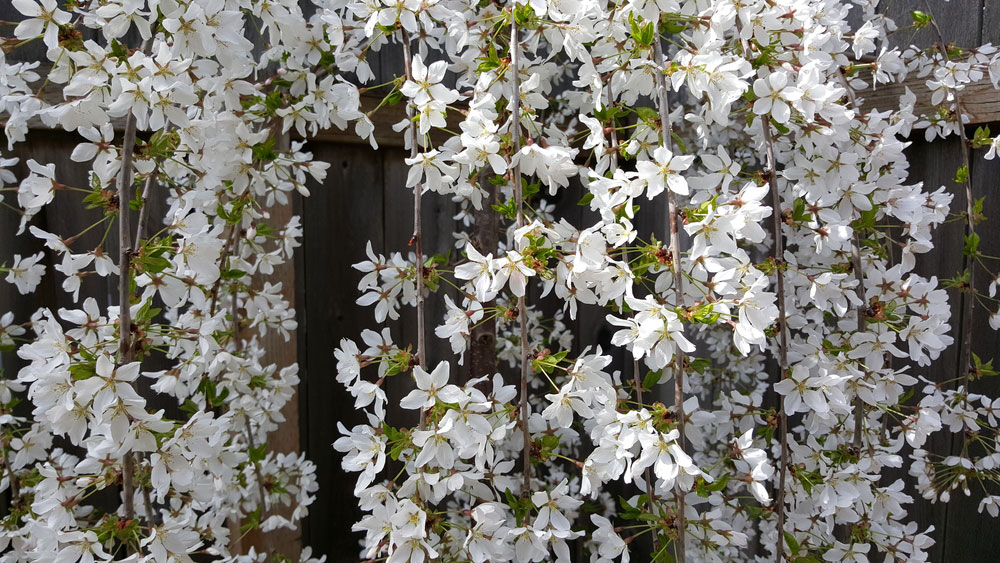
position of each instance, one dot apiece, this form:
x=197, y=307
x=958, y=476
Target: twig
x=15, y=488
x=859, y=275
x=147, y=501
x=779, y=259
x=140, y=226
x=125, y=349
x=522, y=309
x=485, y=236
x=417, y=240
x=260, y=488
x=675, y=255
x=636, y=379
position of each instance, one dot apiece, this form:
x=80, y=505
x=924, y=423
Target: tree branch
x=522, y=309
x=675, y=255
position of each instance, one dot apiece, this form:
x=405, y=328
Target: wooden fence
x=364, y=198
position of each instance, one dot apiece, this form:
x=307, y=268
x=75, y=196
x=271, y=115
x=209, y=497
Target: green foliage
x=982, y=137
x=547, y=364
x=399, y=441
x=643, y=32
x=490, y=61
x=962, y=174
x=920, y=19
x=520, y=507
x=208, y=389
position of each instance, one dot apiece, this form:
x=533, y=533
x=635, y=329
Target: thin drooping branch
x=636, y=377
x=862, y=312
x=675, y=256
x=771, y=173
x=15, y=488
x=522, y=309
x=418, y=232
x=859, y=275
x=126, y=352
x=147, y=189
x=147, y=500
x=259, y=476
x=965, y=352
x=777, y=217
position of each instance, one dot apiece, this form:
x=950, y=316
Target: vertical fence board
x=969, y=535
x=338, y=217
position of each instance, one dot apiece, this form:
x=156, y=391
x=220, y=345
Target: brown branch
x=259, y=475
x=859, y=275
x=11, y=477
x=636, y=378
x=779, y=260
x=125, y=348
x=418, y=234
x=140, y=226
x=675, y=255
x=522, y=309
x=147, y=501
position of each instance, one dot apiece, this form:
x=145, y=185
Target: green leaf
x=491, y=61
x=982, y=137
x=651, y=379
x=524, y=14
x=82, y=371
x=118, y=50
x=962, y=174
x=981, y=369
x=507, y=209
x=799, y=213
x=264, y=151
x=705, y=314
x=680, y=142
x=642, y=32
x=393, y=98
x=700, y=364
x=162, y=144
x=189, y=407
x=548, y=364
x=258, y=453
x=146, y=313
x=669, y=23
x=647, y=113
x=586, y=199
x=520, y=507
x=971, y=245
x=866, y=223
x=793, y=544
x=920, y=19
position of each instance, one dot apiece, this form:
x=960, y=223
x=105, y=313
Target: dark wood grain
x=338, y=217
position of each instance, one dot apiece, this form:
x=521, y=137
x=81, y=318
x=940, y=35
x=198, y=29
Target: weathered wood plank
x=980, y=99
x=960, y=22
x=971, y=536
x=934, y=164
x=278, y=351
x=338, y=217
